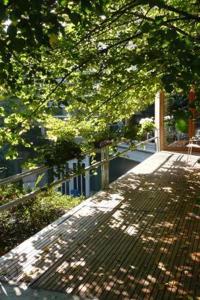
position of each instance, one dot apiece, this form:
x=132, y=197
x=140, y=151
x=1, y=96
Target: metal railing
x=104, y=163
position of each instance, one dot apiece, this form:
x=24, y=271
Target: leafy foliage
x=10, y=192
x=147, y=125
x=61, y=151
x=26, y=219
x=104, y=61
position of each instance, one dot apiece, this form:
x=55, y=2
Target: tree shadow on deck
x=146, y=247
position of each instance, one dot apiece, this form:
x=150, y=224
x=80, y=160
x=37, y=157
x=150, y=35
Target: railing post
x=159, y=120
x=105, y=167
x=87, y=177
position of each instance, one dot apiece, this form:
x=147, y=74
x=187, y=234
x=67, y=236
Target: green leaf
x=39, y=179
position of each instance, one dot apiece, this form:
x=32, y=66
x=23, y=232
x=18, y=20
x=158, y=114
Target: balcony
x=139, y=239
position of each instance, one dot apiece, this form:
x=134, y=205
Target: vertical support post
x=87, y=177
x=192, y=119
x=159, y=120
x=105, y=167
x=71, y=181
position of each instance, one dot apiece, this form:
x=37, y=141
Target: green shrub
x=147, y=125
x=24, y=220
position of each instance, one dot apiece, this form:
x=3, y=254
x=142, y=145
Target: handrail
x=126, y=150
x=27, y=173
x=19, y=176
x=60, y=181
x=22, y=199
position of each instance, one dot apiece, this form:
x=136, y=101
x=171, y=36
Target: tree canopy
x=104, y=60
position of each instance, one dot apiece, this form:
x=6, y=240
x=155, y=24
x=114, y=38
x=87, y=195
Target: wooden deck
x=138, y=240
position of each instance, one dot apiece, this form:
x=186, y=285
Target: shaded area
x=117, y=167
x=138, y=240
x=120, y=166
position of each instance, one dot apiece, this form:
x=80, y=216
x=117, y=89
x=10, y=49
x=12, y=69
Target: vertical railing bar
x=105, y=167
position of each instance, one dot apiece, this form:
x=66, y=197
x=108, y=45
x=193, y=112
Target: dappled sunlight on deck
x=137, y=240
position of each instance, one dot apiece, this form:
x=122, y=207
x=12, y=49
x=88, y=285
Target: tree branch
x=162, y=5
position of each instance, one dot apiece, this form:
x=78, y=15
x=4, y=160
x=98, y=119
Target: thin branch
x=165, y=23
x=129, y=38
x=105, y=23
x=58, y=85
x=162, y=5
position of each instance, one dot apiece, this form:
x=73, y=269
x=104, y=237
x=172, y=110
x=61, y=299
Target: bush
x=24, y=220
x=61, y=151
x=146, y=126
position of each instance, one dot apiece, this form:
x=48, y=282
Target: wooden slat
x=119, y=254
x=49, y=244
x=136, y=259
x=135, y=202
x=90, y=252
x=93, y=241
x=160, y=260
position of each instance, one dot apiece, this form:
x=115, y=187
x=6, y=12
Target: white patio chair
x=194, y=143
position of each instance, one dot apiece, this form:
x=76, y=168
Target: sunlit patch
x=116, y=292
x=187, y=273
x=195, y=256
x=144, y=282
x=17, y=291
x=77, y=263
x=131, y=230
x=125, y=294
x=109, y=285
x=146, y=290
x=161, y=266
x=183, y=293
x=169, y=240
x=131, y=277
x=123, y=270
x=167, y=189
x=114, y=224
x=69, y=290
x=184, y=268
x=62, y=267
x=194, y=216
x=152, y=239
x=168, y=224
x=168, y=273
x=67, y=278
x=163, y=250
x=151, y=278
x=132, y=267
x=117, y=219
x=173, y=286
x=47, y=261
x=120, y=282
